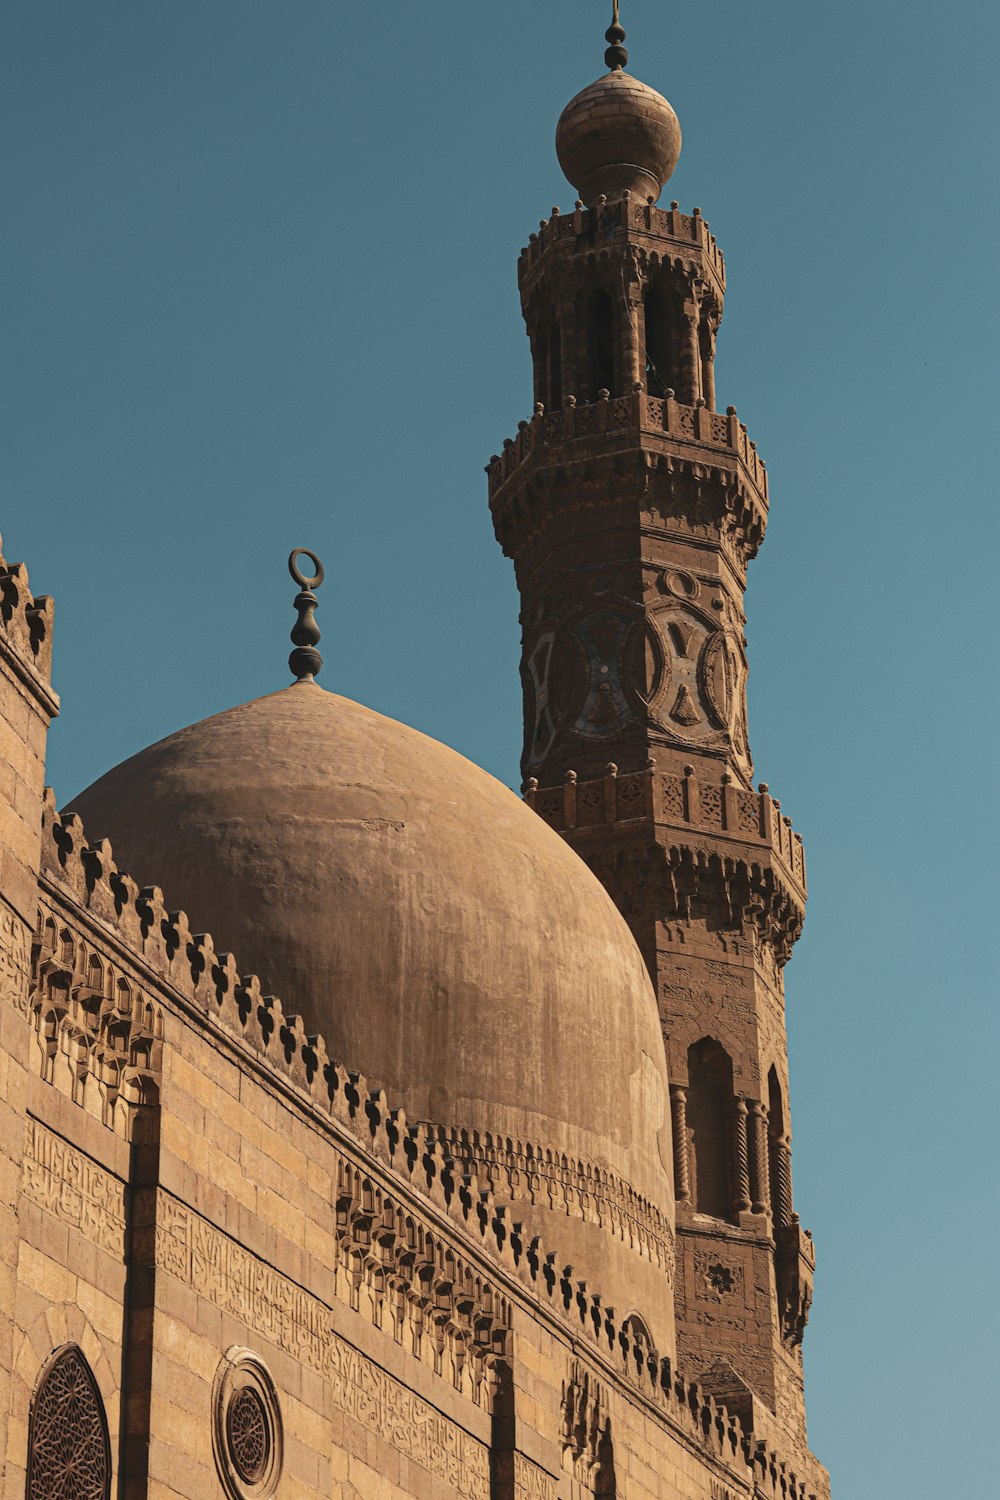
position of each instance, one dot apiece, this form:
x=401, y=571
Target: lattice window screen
x=68, y=1452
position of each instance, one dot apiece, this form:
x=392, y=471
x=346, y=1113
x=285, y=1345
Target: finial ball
x=618, y=135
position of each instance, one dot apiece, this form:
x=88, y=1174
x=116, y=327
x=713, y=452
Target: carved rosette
x=247, y=1434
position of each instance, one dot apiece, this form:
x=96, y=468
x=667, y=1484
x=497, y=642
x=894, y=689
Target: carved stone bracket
x=794, y=1265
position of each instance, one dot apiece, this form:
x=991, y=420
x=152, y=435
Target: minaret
x=631, y=508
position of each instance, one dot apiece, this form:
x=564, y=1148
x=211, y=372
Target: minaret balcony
x=660, y=429
x=716, y=816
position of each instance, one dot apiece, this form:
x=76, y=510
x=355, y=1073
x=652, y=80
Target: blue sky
x=259, y=290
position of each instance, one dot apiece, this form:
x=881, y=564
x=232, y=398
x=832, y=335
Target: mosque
x=495, y=1201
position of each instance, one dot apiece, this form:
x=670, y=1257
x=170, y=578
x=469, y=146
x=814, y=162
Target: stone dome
x=444, y=941
x=618, y=135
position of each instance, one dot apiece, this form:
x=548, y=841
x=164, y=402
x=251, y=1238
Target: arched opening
x=548, y=361
x=554, y=341
x=601, y=344
x=68, y=1448
x=660, y=341
x=709, y=1118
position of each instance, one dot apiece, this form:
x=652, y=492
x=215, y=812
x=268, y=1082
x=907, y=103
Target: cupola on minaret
x=631, y=508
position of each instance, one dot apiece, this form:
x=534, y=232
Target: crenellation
x=748, y=818
x=26, y=634
x=664, y=234
x=666, y=422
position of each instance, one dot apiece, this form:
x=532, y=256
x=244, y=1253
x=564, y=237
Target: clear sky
x=259, y=290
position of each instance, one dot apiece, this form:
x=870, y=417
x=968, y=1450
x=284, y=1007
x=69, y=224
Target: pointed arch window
x=709, y=1117
x=661, y=375
x=601, y=344
x=69, y=1456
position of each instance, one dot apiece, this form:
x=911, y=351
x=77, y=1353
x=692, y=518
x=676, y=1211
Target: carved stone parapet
x=730, y=817
x=674, y=870
x=692, y=464
x=794, y=1267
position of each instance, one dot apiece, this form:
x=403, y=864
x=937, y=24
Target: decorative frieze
x=398, y=1416
x=74, y=1189
x=15, y=960
x=531, y=1482
x=261, y=1298
x=218, y=1269
x=579, y=1189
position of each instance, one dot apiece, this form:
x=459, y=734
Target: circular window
x=246, y=1430
x=249, y=1434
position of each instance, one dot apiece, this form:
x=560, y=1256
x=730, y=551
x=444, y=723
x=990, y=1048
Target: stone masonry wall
x=205, y=1195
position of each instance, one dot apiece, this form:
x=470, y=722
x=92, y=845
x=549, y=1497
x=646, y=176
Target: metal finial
x=305, y=661
x=616, y=55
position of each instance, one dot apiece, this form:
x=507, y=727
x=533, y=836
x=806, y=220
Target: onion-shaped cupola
x=618, y=135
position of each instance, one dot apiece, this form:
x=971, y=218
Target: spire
x=616, y=56
x=305, y=661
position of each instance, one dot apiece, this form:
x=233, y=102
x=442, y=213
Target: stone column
x=633, y=366
x=741, y=1158
x=708, y=363
x=682, y=1175
x=690, y=355
x=782, y=1209
x=760, y=1190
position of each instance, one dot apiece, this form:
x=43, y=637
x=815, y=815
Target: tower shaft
x=631, y=509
